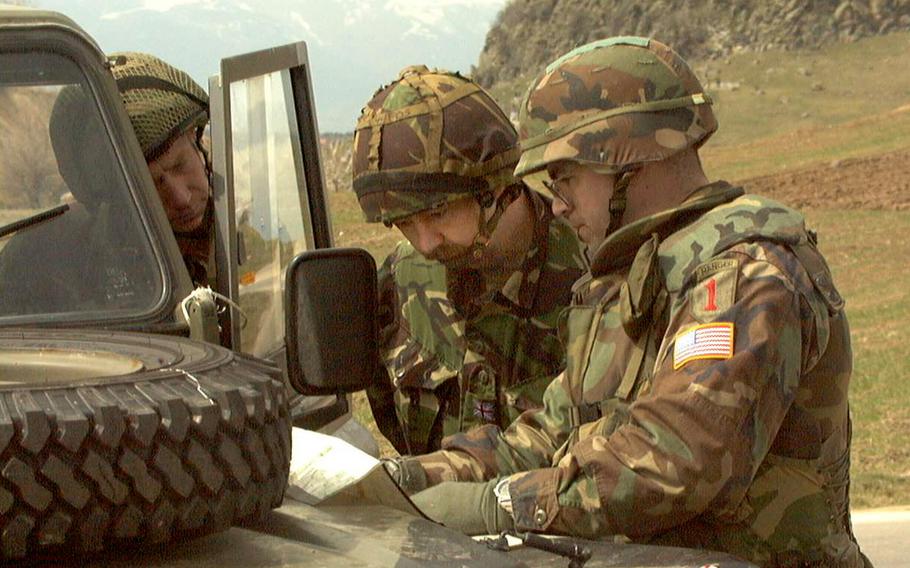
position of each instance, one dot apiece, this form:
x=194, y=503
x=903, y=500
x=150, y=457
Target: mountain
x=528, y=34
x=354, y=45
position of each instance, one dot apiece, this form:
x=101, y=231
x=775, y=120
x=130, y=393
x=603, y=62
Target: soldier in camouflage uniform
x=704, y=402
x=472, y=298
x=169, y=112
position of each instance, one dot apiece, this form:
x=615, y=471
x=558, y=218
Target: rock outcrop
x=529, y=33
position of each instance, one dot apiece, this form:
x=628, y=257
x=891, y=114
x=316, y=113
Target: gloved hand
x=470, y=507
x=407, y=473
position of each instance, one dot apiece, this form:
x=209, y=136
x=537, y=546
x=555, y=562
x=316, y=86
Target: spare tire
x=109, y=437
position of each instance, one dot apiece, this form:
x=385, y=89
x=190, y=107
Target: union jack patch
x=708, y=341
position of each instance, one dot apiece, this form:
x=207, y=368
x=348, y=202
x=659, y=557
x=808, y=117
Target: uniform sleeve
x=487, y=452
x=381, y=393
x=695, y=440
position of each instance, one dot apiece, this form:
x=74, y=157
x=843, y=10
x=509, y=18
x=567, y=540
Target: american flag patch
x=708, y=341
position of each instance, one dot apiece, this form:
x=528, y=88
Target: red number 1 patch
x=711, y=304
x=716, y=289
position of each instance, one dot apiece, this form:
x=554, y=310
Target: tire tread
x=186, y=449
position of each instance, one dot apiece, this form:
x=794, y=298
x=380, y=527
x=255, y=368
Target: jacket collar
x=619, y=248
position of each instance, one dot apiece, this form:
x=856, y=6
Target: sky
x=354, y=46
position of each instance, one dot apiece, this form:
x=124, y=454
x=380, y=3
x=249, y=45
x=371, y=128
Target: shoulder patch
x=707, y=341
x=715, y=289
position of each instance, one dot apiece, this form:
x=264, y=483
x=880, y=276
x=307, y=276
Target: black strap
x=485, y=227
x=584, y=413
x=145, y=82
x=417, y=182
x=618, y=200
x=381, y=396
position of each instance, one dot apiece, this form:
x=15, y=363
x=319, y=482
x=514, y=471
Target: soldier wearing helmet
x=169, y=112
x=704, y=401
x=473, y=295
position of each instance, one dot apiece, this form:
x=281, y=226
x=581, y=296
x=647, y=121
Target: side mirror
x=332, y=331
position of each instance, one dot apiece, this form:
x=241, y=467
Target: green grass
x=870, y=76
x=868, y=252
x=351, y=230
x=869, y=136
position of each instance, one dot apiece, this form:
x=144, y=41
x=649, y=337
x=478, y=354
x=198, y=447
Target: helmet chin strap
x=486, y=225
x=618, y=200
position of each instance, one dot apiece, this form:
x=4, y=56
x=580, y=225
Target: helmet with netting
x=162, y=102
x=429, y=138
x=613, y=104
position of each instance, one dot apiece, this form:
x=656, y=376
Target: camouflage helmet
x=614, y=104
x=161, y=101
x=429, y=138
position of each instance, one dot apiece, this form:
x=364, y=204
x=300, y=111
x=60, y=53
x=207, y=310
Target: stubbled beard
x=492, y=263
x=452, y=256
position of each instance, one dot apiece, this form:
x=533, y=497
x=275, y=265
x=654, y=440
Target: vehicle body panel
x=343, y=537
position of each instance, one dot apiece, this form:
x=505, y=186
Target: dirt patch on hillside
x=879, y=182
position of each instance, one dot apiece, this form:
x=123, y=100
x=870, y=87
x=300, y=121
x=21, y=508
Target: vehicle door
x=269, y=200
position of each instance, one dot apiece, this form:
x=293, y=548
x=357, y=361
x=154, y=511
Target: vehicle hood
x=300, y=534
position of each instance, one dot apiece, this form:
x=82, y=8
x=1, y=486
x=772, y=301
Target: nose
x=174, y=192
x=426, y=239
x=559, y=207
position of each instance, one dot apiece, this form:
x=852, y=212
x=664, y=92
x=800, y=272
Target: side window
x=268, y=204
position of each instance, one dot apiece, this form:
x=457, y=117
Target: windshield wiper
x=33, y=220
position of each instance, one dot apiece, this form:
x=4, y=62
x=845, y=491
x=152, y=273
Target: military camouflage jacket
x=704, y=402
x=458, y=356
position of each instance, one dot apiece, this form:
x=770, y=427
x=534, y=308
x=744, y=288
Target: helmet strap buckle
x=486, y=225
x=618, y=201
x=485, y=199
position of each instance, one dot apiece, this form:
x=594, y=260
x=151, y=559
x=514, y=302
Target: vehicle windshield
x=72, y=246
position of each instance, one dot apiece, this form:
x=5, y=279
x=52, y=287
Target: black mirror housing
x=332, y=331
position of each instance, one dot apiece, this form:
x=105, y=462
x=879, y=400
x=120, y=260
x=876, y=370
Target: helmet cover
x=613, y=104
x=429, y=138
x=162, y=101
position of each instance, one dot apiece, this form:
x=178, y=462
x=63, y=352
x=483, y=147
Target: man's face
x=582, y=197
x=444, y=233
x=180, y=178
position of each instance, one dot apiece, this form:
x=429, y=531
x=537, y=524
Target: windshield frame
x=64, y=39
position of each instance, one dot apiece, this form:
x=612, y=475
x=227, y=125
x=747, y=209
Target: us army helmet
x=613, y=104
x=428, y=138
x=162, y=101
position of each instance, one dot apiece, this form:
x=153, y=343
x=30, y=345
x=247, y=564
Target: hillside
x=528, y=34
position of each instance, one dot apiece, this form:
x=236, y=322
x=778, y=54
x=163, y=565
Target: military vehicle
x=143, y=421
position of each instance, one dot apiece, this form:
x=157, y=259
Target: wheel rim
x=35, y=367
